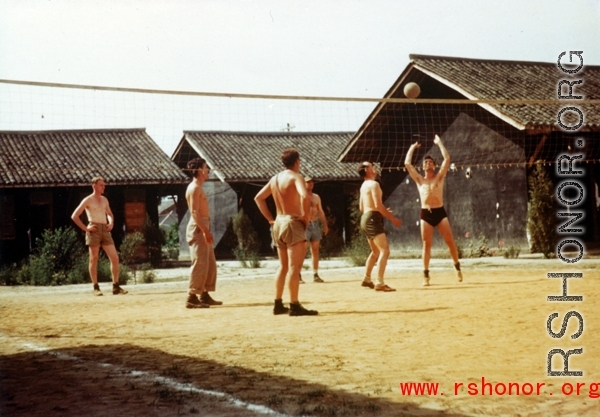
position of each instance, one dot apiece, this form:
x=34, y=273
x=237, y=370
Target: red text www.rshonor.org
x=483, y=387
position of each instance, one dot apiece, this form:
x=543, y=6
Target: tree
x=128, y=249
x=358, y=250
x=541, y=216
x=154, y=239
x=248, y=246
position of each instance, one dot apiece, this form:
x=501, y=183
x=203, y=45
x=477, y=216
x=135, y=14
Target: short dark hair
x=195, y=165
x=429, y=157
x=362, y=169
x=289, y=157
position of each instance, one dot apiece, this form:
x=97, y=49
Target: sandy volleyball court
x=68, y=353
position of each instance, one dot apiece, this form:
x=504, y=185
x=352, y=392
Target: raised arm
x=261, y=201
x=408, y=163
x=446, y=163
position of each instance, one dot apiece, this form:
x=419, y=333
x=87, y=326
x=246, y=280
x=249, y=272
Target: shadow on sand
x=126, y=380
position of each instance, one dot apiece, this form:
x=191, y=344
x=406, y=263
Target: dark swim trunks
x=371, y=223
x=433, y=216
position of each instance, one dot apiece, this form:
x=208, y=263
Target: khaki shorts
x=287, y=231
x=101, y=237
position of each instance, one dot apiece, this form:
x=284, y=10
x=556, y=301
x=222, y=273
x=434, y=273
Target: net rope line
x=414, y=123
x=286, y=97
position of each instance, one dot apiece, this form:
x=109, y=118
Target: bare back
x=284, y=188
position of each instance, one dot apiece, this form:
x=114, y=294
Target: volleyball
x=412, y=90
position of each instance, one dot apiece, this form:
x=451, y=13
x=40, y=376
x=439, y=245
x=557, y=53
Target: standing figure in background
x=317, y=227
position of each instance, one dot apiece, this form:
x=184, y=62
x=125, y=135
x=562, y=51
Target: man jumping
x=433, y=214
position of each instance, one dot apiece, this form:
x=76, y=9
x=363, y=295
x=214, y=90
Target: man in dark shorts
x=289, y=229
x=371, y=222
x=433, y=214
x=97, y=233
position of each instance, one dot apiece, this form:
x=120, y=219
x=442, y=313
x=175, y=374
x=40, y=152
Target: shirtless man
x=433, y=215
x=203, y=273
x=314, y=233
x=371, y=222
x=97, y=233
x=289, y=229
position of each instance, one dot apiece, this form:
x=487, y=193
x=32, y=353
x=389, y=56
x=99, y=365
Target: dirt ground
x=65, y=352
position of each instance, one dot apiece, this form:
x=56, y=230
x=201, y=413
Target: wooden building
x=45, y=174
x=493, y=146
x=243, y=162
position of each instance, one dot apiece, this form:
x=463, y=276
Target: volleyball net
x=479, y=134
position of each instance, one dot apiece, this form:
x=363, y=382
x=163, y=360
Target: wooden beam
x=538, y=149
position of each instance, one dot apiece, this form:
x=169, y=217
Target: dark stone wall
x=492, y=202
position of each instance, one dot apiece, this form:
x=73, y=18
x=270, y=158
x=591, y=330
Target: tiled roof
x=516, y=80
x=392, y=126
x=74, y=157
x=244, y=156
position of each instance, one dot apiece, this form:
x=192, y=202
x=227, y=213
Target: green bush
x=128, y=250
x=332, y=243
x=358, y=250
x=541, y=215
x=147, y=274
x=56, y=254
x=129, y=247
x=104, y=273
x=9, y=275
x=60, y=259
x=154, y=239
x=480, y=248
x=171, y=246
x=512, y=252
x=462, y=253
x=247, y=260
x=229, y=240
x=248, y=248
x=80, y=273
